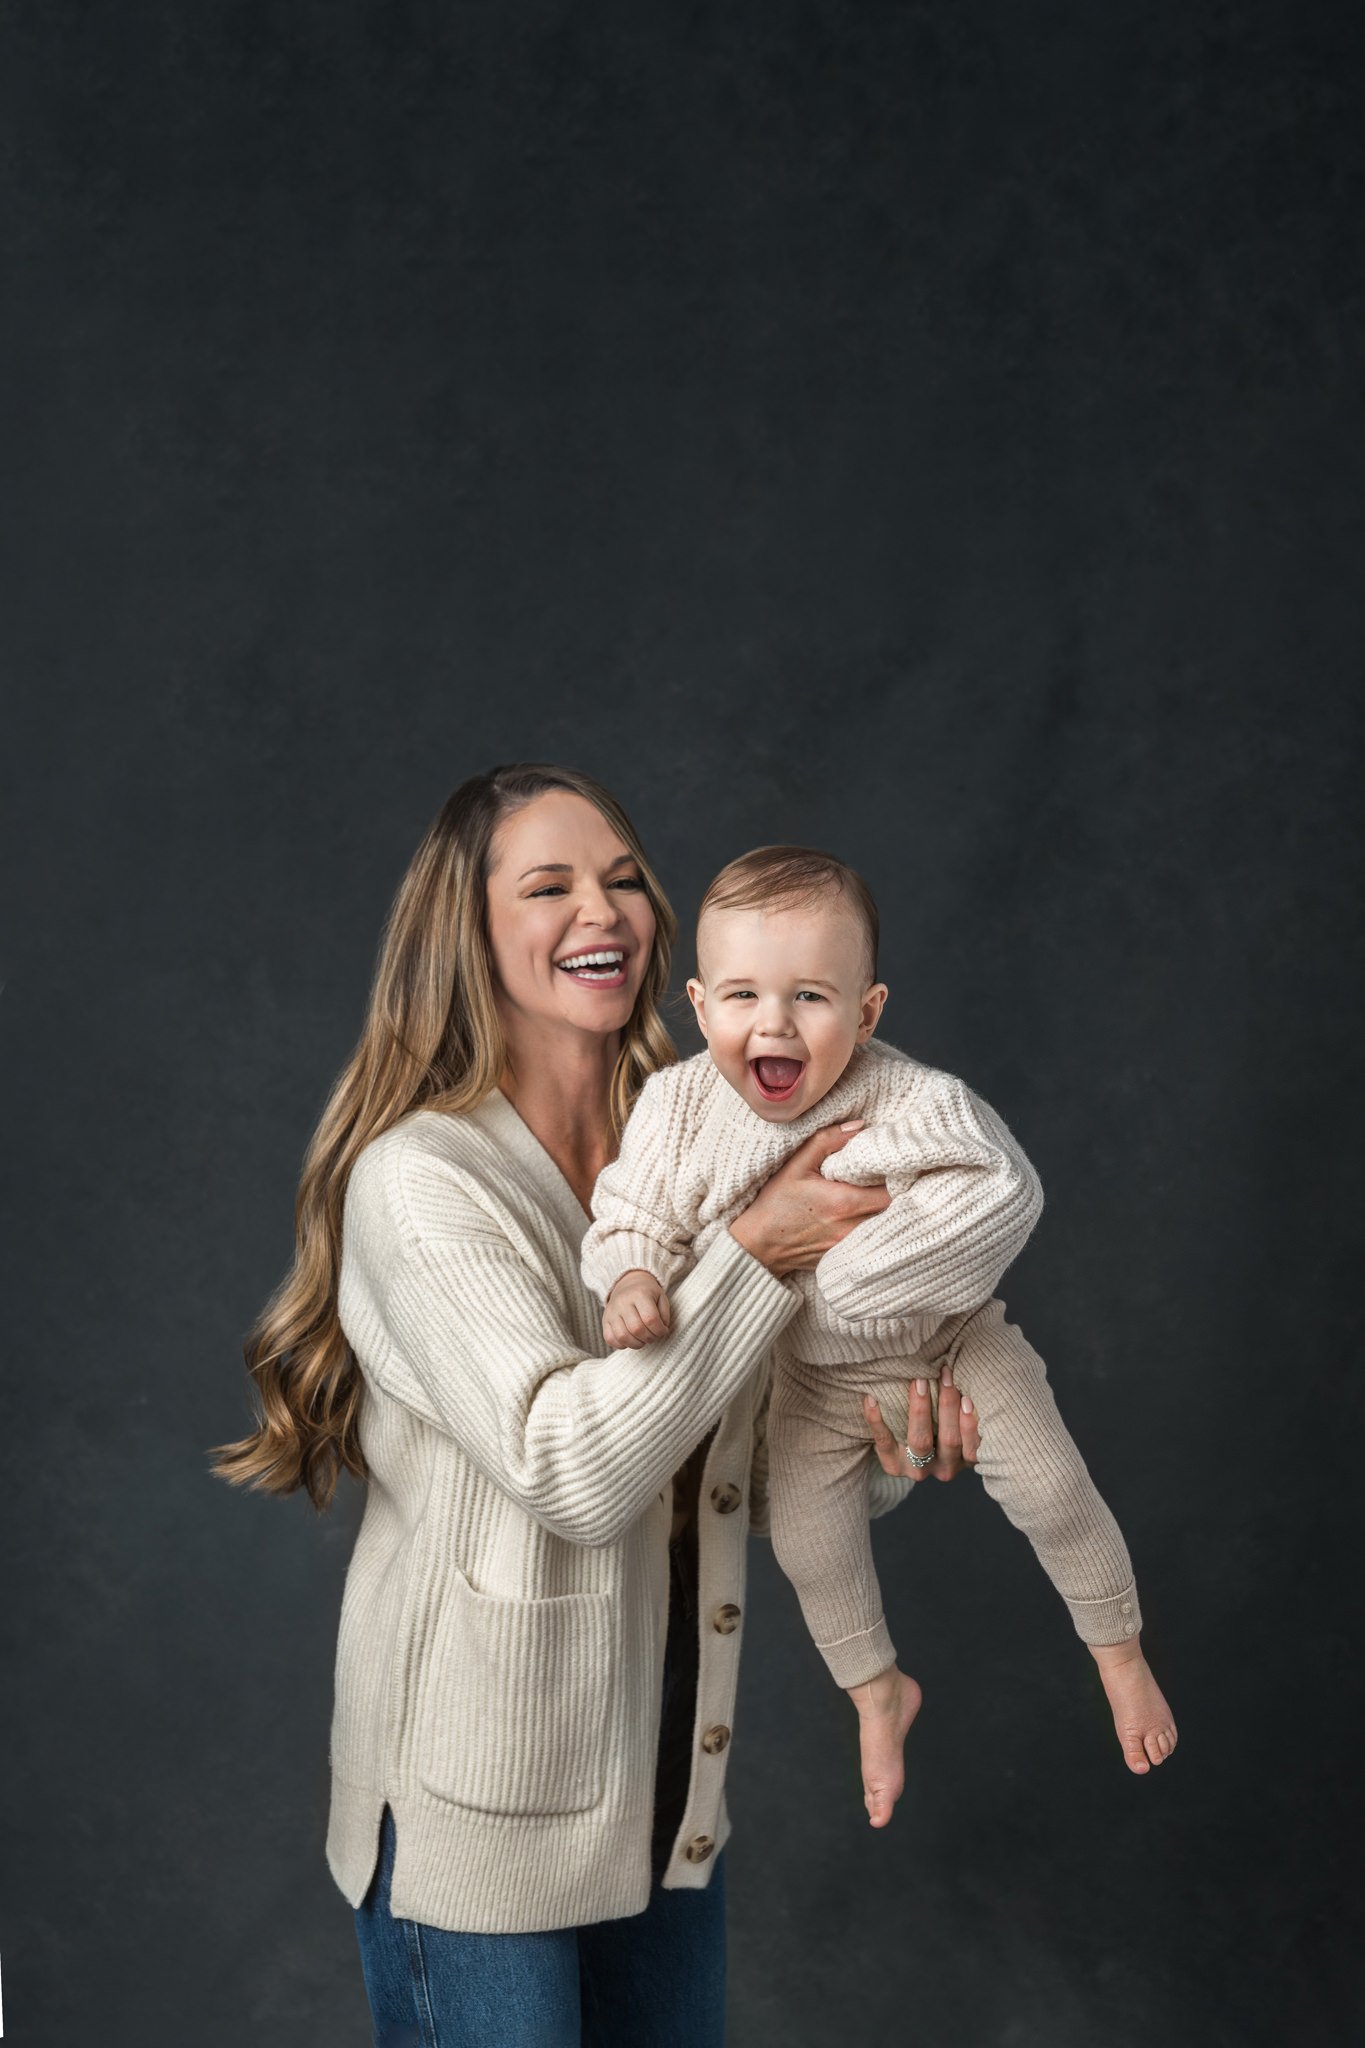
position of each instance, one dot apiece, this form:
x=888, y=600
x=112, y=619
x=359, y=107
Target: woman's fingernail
x=856, y=1124
x=921, y=1386
x=966, y=1404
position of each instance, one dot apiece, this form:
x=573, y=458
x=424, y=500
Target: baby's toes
x=878, y=1805
x=1154, y=1744
x=1134, y=1755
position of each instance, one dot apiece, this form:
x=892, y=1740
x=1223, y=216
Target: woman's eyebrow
x=564, y=867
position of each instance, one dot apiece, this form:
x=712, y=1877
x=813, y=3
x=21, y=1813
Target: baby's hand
x=637, y=1311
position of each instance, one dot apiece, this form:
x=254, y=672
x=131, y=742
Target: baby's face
x=781, y=999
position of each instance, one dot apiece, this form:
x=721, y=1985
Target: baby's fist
x=637, y=1312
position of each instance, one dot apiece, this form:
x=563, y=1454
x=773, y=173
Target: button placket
x=721, y=1536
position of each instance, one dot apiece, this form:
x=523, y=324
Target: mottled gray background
x=930, y=431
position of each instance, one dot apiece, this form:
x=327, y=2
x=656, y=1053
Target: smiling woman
x=529, y=1847
x=572, y=918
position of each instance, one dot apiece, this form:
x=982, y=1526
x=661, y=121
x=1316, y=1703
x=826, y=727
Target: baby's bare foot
x=1142, y=1720
x=886, y=1704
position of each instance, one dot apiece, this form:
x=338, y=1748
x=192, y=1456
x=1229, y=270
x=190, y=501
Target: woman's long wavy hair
x=431, y=1040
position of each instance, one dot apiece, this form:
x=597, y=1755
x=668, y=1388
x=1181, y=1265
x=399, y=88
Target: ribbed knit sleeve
x=634, y=1225
x=468, y=1329
x=963, y=1201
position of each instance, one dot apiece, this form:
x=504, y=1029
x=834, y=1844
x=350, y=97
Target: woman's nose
x=599, y=910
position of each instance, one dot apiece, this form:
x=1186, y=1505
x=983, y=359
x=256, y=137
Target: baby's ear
x=872, y=1005
x=697, y=992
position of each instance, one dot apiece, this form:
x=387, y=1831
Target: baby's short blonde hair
x=774, y=877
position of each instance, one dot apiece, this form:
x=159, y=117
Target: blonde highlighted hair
x=431, y=1040
x=779, y=877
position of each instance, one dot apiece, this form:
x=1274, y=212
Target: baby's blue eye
x=813, y=993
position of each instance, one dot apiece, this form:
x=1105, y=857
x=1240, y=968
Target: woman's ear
x=697, y=991
x=873, y=1004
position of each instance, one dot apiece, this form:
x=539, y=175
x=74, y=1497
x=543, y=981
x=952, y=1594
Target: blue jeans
x=654, y=1980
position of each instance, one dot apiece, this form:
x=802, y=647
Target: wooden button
x=725, y=1620
x=699, y=1848
x=725, y=1498
x=715, y=1739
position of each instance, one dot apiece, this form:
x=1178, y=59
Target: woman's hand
x=797, y=1214
x=958, y=1439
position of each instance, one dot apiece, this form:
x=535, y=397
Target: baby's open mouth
x=776, y=1078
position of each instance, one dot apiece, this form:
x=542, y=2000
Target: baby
x=787, y=1000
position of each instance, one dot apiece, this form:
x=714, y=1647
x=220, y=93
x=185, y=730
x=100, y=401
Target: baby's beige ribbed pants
x=819, y=1450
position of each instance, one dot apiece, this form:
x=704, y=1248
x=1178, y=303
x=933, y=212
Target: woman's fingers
x=919, y=1434
x=890, y=1454
x=919, y=1427
x=952, y=1441
x=948, y=1463
x=971, y=1431
x=843, y=1199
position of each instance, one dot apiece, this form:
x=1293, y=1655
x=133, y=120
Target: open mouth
x=603, y=968
x=777, y=1079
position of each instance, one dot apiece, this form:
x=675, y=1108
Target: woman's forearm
x=581, y=1443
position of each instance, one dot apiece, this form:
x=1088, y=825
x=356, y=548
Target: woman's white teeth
x=607, y=962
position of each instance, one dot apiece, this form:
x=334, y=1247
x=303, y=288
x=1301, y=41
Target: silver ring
x=918, y=1462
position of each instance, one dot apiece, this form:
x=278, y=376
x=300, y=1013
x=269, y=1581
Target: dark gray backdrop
x=926, y=431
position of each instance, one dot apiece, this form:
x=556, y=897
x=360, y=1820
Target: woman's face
x=563, y=884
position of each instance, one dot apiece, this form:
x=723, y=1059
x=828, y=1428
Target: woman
x=542, y=1617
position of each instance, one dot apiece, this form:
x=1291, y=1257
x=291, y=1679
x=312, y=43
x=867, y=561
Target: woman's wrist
x=756, y=1244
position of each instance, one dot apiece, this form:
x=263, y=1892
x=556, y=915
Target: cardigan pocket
x=512, y=1711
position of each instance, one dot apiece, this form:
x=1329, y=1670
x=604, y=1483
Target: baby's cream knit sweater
x=964, y=1196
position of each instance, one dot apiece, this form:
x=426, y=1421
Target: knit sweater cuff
x=626, y=1251
x=1113, y=1620
x=856, y=1659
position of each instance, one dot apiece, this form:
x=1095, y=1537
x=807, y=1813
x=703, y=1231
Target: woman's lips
x=777, y=1079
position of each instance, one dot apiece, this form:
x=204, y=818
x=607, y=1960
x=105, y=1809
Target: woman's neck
x=562, y=1092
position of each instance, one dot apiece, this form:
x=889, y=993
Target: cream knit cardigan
x=500, y=1656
